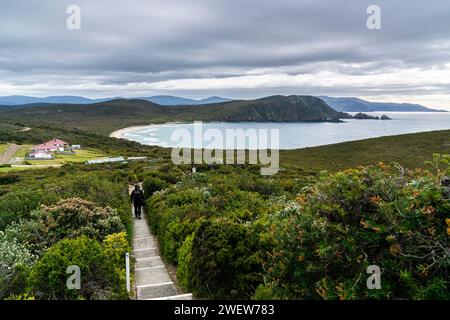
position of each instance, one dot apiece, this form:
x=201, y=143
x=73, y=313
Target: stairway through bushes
x=152, y=280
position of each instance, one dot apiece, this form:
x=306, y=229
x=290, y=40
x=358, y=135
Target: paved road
x=152, y=279
x=6, y=157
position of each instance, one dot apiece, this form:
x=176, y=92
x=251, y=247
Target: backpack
x=138, y=197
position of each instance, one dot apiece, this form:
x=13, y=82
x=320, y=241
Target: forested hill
x=110, y=115
x=279, y=108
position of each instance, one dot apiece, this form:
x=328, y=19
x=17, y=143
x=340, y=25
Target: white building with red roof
x=51, y=146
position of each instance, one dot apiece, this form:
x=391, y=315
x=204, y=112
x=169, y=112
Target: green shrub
x=356, y=218
x=173, y=217
x=169, y=173
x=203, y=198
x=103, y=188
x=69, y=218
x=152, y=184
x=18, y=204
x=99, y=278
x=171, y=177
x=261, y=185
x=9, y=178
x=184, y=262
x=115, y=246
x=24, y=296
x=225, y=260
x=15, y=262
x=173, y=228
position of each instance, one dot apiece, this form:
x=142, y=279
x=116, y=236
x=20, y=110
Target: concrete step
x=152, y=280
x=144, y=242
x=140, y=222
x=187, y=296
x=145, y=253
x=156, y=290
x=148, y=262
x=151, y=275
x=141, y=231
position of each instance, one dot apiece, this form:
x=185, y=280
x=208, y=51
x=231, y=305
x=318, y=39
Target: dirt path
x=6, y=157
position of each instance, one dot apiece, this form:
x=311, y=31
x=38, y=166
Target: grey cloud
x=148, y=41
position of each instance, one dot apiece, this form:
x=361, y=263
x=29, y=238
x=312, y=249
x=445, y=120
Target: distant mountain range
x=162, y=100
x=177, y=101
x=119, y=113
x=20, y=100
x=359, y=105
x=339, y=104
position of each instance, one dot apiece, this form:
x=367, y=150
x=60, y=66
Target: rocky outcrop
x=363, y=116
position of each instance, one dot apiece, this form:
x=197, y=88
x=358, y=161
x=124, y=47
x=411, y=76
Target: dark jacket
x=137, y=197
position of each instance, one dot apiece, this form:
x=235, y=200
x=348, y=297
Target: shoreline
x=118, y=134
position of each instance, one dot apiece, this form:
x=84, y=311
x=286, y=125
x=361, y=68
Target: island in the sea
x=363, y=116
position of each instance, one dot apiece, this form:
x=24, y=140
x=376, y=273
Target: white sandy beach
x=120, y=133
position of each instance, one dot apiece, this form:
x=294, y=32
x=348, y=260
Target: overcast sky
x=232, y=48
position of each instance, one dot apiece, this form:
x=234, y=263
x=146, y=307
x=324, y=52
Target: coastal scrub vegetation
x=310, y=232
x=240, y=235
x=51, y=219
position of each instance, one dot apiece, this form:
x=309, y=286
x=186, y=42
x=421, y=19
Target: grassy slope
x=3, y=148
x=79, y=156
x=88, y=140
x=23, y=150
x=410, y=150
x=24, y=168
x=8, y=127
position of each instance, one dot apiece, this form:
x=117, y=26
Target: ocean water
x=292, y=135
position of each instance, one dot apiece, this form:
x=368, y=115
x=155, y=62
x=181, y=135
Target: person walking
x=137, y=198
